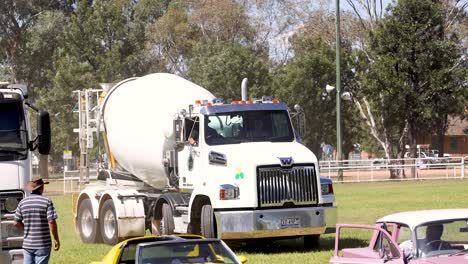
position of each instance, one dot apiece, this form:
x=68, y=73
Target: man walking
x=36, y=216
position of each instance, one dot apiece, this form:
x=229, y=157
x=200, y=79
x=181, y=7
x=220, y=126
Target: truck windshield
x=13, y=136
x=250, y=126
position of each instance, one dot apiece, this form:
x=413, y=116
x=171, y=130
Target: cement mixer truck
x=181, y=160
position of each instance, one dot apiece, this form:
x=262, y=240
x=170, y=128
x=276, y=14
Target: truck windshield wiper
x=465, y=250
x=278, y=138
x=12, y=151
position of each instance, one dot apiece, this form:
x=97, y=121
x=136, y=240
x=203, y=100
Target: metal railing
x=403, y=169
x=371, y=170
x=72, y=179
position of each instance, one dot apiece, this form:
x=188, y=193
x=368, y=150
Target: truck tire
x=109, y=226
x=167, y=220
x=207, y=225
x=87, y=225
x=312, y=242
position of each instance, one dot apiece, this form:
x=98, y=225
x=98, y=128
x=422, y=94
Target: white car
x=424, y=157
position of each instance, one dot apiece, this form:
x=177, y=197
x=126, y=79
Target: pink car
x=429, y=236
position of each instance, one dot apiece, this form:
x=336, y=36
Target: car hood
x=444, y=259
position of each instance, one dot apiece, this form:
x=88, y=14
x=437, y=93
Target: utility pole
x=338, y=91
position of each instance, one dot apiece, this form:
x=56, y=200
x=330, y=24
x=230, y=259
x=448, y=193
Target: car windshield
x=13, y=135
x=442, y=238
x=248, y=126
x=185, y=251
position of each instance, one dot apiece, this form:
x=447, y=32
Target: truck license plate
x=290, y=222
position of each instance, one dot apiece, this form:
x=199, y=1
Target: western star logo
x=288, y=161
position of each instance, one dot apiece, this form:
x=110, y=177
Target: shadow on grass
x=270, y=246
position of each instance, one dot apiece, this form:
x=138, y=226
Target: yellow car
x=174, y=249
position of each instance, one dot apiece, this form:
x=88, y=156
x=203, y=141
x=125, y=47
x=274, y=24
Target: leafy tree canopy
x=414, y=73
x=302, y=81
x=221, y=67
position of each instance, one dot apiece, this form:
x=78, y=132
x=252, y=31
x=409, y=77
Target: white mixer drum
x=138, y=116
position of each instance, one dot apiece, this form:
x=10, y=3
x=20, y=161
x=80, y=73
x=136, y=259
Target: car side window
x=386, y=246
x=405, y=234
x=128, y=254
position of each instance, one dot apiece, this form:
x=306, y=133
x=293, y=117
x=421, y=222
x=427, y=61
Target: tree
x=221, y=67
x=187, y=23
x=455, y=24
x=103, y=41
x=302, y=81
x=171, y=39
x=106, y=36
x=59, y=101
x=23, y=56
x=414, y=66
x=212, y=43
x=275, y=22
x=16, y=20
x=320, y=23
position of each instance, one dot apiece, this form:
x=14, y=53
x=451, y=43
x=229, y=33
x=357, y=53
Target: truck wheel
x=167, y=221
x=207, y=222
x=312, y=242
x=109, y=227
x=87, y=225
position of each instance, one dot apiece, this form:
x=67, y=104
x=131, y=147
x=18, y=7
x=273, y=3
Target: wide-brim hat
x=36, y=183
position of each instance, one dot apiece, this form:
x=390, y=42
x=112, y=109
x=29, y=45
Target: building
x=455, y=139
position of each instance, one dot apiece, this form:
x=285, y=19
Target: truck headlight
x=228, y=192
x=326, y=188
x=10, y=204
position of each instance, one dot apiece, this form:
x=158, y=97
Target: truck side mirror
x=298, y=119
x=178, y=134
x=43, y=132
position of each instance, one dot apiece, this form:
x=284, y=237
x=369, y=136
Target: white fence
x=407, y=169
x=353, y=171
x=72, y=181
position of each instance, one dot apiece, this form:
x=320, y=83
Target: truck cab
x=16, y=146
x=249, y=174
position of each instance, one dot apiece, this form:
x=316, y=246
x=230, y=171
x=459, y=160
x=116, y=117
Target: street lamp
x=347, y=97
x=339, y=95
x=338, y=88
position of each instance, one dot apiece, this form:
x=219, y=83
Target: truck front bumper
x=12, y=256
x=284, y=222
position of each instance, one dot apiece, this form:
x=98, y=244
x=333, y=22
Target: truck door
x=189, y=159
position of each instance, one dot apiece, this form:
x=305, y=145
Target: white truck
x=246, y=177
x=16, y=146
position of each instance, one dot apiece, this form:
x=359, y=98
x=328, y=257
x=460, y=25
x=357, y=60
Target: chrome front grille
x=10, y=236
x=277, y=185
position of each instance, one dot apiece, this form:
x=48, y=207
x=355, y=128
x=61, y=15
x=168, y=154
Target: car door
x=381, y=247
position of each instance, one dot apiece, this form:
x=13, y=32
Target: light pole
x=338, y=90
x=347, y=97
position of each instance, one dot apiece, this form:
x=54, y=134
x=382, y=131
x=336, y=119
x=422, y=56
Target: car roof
x=416, y=218
x=179, y=241
x=163, y=238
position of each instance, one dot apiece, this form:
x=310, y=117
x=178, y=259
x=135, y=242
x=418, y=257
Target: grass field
x=357, y=203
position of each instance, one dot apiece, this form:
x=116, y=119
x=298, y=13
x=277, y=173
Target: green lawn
x=357, y=203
